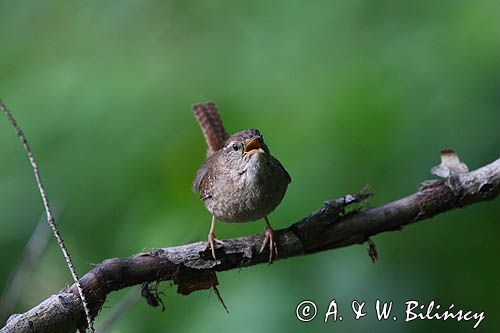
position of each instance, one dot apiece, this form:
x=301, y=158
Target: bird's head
x=245, y=147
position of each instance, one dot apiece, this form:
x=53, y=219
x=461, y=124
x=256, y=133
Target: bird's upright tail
x=211, y=125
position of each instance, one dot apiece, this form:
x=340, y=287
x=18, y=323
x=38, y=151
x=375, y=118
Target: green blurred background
x=347, y=93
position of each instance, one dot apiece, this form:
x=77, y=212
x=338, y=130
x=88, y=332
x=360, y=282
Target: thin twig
x=48, y=211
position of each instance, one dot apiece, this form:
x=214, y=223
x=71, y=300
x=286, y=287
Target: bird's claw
x=269, y=238
x=211, y=243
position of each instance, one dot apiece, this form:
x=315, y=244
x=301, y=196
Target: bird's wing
x=211, y=125
x=198, y=183
x=199, y=177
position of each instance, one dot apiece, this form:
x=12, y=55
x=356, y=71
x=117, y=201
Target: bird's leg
x=211, y=238
x=269, y=237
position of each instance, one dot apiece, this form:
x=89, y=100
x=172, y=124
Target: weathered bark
x=191, y=268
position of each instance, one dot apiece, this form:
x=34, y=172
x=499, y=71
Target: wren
x=240, y=180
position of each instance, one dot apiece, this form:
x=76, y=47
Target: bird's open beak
x=253, y=146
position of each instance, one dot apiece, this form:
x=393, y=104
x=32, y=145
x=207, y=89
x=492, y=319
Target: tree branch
x=191, y=268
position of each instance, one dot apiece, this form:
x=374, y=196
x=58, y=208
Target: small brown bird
x=240, y=180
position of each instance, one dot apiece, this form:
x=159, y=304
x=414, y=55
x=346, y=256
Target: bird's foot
x=211, y=243
x=269, y=238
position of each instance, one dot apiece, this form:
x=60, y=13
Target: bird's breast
x=246, y=194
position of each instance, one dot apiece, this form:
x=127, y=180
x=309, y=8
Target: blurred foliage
x=347, y=93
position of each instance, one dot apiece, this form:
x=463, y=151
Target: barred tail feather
x=211, y=125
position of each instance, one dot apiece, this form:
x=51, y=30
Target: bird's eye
x=235, y=147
